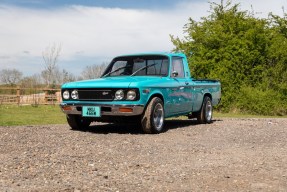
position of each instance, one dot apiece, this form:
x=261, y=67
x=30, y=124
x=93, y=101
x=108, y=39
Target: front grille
x=100, y=95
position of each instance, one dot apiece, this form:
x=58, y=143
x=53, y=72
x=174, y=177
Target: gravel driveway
x=227, y=155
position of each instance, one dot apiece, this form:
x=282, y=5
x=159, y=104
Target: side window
x=177, y=65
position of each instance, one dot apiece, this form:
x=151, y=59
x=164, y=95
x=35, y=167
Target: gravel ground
x=227, y=155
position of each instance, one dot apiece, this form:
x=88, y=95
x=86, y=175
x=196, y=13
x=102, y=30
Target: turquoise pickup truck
x=145, y=88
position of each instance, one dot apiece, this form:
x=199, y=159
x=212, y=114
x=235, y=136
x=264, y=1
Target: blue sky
x=129, y=4
x=93, y=31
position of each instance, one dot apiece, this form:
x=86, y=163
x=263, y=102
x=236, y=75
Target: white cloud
x=94, y=32
x=263, y=8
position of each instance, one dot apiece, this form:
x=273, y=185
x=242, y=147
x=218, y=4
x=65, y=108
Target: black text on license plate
x=91, y=111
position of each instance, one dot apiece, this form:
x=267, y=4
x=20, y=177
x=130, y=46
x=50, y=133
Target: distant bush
x=255, y=101
x=246, y=53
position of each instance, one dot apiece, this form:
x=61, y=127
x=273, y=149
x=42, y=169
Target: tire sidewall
x=78, y=123
x=147, y=123
x=154, y=104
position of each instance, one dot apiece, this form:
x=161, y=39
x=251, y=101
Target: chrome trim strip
x=137, y=109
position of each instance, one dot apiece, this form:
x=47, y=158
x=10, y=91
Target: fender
x=153, y=93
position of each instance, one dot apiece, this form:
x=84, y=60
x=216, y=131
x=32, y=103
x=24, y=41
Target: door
x=181, y=91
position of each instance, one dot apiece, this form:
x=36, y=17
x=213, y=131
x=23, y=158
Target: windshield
x=147, y=65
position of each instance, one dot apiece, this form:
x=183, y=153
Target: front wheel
x=205, y=113
x=76, y=122
x=152, y=120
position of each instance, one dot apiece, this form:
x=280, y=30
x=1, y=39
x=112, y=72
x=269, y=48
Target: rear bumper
x=108, y=110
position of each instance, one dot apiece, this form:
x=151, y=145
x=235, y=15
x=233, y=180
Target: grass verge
x=240, y=115
x=12, y=115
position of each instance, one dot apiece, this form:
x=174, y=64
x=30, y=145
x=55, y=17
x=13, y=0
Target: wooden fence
x=29, y=96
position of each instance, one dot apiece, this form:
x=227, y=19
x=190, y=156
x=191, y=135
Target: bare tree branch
x=10, y=76
x=93, y=71
x=50, y=57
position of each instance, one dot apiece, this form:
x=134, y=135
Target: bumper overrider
x=106, y=110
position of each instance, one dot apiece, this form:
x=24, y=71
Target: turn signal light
x=125, y=110
x=67, y=108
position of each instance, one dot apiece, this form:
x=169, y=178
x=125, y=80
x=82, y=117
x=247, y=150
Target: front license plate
x=91, y=111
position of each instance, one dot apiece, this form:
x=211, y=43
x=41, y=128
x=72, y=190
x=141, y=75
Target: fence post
x=46, y=95
x=18, y=94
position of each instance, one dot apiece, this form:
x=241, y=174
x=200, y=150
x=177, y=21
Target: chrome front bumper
x=111, y=110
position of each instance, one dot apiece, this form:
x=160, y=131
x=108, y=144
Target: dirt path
x=227, y=155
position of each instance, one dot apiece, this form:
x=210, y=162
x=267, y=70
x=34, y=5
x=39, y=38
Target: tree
x=66, y=77
x=10, y=76
x=276, y=75
x=93, y=71
x=244, y=52
x=50, y=57
x=31, y=81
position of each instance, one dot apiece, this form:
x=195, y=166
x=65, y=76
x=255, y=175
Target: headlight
x=131, y=95
x=75, y=94
x=66, y=95
x=119, y=94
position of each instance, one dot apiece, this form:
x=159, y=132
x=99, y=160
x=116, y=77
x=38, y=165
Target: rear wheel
x=76, y=122
x=152, y=120
x=205, y=113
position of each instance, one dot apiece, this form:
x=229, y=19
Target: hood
x=109, y=82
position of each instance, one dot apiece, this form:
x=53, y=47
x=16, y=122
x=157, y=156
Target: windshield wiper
x=114, y=71
x=145, y=67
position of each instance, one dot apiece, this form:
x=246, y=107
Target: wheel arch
x=204, y=95
x=153, y=95
x=159, y=95
x=208, y=95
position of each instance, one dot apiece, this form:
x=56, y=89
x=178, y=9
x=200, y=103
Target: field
x=11, y=115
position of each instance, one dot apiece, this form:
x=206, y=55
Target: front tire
x=205, y=113
x=76, y=122
x=152, y=120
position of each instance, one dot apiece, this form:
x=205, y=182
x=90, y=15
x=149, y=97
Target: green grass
x=232, y=115
x=11, y=115
x=240, y=115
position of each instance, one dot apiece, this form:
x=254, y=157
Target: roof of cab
x=169, y=54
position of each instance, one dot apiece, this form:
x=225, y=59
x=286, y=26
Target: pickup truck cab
x=146, y=87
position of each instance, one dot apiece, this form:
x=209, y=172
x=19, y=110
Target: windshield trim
x=108, y=70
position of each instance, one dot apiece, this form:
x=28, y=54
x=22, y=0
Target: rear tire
x=152, y=120
x=76, y=122
x=205, y=113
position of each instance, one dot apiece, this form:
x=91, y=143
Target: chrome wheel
x=158, y=116
x=208, y=110
x=205, y=113
x=152, y=121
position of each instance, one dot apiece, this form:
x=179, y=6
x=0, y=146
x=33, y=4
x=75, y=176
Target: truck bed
x=206, y=80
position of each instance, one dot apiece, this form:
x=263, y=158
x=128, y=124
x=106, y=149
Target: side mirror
x=174, y=74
